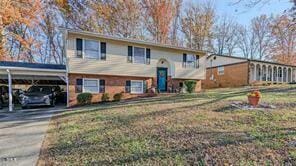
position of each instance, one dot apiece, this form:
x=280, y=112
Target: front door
x=162, y=74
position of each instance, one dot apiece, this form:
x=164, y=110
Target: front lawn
x=199, y=129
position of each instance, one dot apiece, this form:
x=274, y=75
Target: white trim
x=142, y=87
x=98, y=84
x=33, y=69
x=133, y=60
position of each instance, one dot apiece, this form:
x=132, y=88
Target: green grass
x=195, y=129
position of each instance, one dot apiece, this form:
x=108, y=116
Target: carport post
x=67, y=82
x=9, y=90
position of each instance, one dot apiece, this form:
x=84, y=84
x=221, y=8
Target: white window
x=91, y=85
x=91, y=49
x=191, y=61
x=220, y=70
x=139, y=55
x=137, y=86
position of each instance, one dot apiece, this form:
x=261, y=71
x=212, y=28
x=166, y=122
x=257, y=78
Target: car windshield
x=43, y=89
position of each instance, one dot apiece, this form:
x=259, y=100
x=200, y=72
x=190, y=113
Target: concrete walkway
x=22, y=133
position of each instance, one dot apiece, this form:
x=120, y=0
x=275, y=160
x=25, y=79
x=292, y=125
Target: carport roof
x=32, y=65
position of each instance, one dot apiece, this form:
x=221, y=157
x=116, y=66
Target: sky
x=244, y=15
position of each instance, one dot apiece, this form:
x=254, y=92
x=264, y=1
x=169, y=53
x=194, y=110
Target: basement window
x=137, y=86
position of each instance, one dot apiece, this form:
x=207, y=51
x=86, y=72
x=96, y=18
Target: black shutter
x=148, y=56
x=130, y=54
x=197, y=61
x=102, y=86
x=79, y=84
x=128, y=86
x=184, y=59
x=103, y=51
x=145, y=88
x=79, y=48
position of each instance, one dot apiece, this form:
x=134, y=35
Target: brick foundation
x=116, y=84
x=234, y=76
x=113, y=85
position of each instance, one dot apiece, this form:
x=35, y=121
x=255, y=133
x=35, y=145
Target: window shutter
x=144, y=86
x=79, y=47
x=130, y=54
x=147, y=56
x=79, y=84
x=184, y=59
x=103, y=51
x=128, y=86
x=197, y=61
x=102, y=86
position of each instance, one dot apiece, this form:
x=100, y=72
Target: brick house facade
x=224, y=71
x=102, y=64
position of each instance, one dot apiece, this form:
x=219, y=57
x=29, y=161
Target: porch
x=261, y=73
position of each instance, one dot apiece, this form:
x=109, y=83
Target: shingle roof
x=32, y=65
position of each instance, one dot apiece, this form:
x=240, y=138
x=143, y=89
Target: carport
x=22, y=73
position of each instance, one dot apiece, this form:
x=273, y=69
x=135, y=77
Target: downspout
x=10, y=107
x=249, y=72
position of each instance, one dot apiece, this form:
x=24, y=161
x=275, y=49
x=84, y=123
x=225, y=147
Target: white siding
x=116, y=61
x=223, y=60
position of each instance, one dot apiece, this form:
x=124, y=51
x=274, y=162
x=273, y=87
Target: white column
x=282, y=75
x=291, y=77
x=67, y=82
x=277, y=76
x=260, y=73
x=255, y=73
x=9, y=91
x=272, y=74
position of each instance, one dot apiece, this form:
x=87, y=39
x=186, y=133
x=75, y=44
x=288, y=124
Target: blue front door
x=162, y=74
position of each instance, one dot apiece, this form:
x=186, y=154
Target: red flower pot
x=253, y=100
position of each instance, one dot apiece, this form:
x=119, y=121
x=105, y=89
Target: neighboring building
x=103, y=64
x=226, y=71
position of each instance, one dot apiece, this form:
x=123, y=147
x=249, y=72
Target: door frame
x=166, y=82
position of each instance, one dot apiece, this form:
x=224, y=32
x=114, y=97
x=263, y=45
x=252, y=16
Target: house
x=104, y=64
x=228, y=71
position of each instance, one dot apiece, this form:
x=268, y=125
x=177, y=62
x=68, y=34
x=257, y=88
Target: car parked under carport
x=20, y=74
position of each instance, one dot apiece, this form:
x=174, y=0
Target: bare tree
x=246, y=42
x=197, y=24
x=261, y=29
x=226, y=36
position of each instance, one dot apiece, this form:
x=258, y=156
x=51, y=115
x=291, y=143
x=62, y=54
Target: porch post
x=9, y=91
x=67, y=82
x=291, y=76
x=255, y=73
x=277, y=74
x=272, y=74
x=282, y=75
x=261, y=73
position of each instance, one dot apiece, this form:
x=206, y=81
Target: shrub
x=190, y=85
x=84, y=98
x=118, y=96
x=105, y=97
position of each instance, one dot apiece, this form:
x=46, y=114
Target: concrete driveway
x=22, y=133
